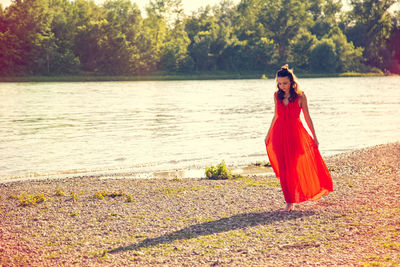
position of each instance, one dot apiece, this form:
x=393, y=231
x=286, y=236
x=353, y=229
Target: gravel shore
x=93, y=221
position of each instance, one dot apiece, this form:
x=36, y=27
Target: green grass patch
x=74, y=196
x=59, y=192
x=358, y=74
x=101, y=195
x=29, y=200
x=267, y=182
x=176, y=191
x=100, y=254
x=74, y=213
x=128, y=198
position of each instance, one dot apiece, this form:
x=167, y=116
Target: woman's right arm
x=272, y=123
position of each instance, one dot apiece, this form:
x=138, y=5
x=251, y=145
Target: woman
x=292, y=152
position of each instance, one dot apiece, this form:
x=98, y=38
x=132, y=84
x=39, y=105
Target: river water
x=137, y=128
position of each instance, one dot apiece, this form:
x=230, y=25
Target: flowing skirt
x=297, y=163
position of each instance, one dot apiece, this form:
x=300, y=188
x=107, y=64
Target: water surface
x=140, y=127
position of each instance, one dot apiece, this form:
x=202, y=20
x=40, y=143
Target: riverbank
x=93, y=221
x=168, y=77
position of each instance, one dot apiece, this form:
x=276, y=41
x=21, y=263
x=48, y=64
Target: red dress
x=296, y=162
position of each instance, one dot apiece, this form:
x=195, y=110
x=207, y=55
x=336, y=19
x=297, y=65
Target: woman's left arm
x=307, y=117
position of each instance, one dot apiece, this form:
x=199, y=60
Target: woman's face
x=284, y=84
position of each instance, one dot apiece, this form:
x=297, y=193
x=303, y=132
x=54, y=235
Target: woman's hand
x=316, y=143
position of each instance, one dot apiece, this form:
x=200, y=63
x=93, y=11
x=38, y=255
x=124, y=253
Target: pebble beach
x=92, y=221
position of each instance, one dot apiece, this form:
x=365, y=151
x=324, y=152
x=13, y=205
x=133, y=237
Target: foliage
x=59, y=192
x=74, y=213
x=62, y=37
x=74, y=196
x=334, y=54
x=283, y=20
x=128, y=198
x=369, y=26
x=101, y=195
x=357, y=74
x=218, y=172
x=348, y=57
x=323, y=57
x=28, y=200
x=302, y=47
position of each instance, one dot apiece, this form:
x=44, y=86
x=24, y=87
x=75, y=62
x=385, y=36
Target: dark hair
x=284, y=71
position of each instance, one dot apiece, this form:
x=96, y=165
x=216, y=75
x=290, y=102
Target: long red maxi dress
x=297, y=163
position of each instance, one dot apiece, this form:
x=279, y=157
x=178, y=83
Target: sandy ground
x=94, y=221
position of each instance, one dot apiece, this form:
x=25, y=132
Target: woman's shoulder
x=301, y=97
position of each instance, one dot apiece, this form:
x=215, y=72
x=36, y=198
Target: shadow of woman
x=239, y=221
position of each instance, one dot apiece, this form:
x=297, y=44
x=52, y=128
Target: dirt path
x=196, y=222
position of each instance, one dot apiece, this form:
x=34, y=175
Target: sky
x=188, y=5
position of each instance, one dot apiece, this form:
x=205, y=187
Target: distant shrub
x=74, y=196
x=74, y=213
x=59, y=192
x=323, y=57
x=219, y=172
x=101, y=195
x=117, y=194
x=128, y=198
x=27, y=200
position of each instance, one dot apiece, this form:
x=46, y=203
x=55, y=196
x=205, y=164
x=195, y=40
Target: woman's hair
x=294, y=86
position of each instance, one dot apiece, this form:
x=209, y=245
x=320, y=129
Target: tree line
x=53, y=37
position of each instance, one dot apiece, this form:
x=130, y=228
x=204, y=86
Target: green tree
x=121, y=34
x=61, y=59
x=323, y=57
x=164, y=27
x=173, y=50
x=301, y=49
x=369, y=25
x=47, y=37
x=174, y=54
x=392, y=51
x=324, y=15
x=27, y=28
x=155, y=27
x=246, y=23
x=334, y=54
x=87, y=18
x=199, y=27
x=349, y=58
x=109, y=39
x=283, y=20
x=9, y=47
x=199, y=50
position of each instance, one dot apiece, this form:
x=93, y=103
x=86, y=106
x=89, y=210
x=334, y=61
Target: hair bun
x=285, y=67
